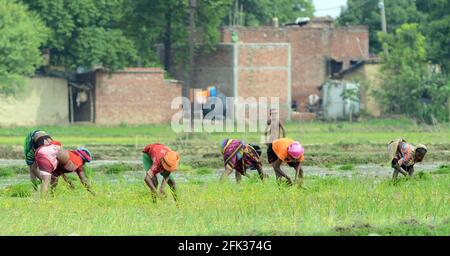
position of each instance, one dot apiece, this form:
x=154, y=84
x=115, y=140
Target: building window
x=334, y=66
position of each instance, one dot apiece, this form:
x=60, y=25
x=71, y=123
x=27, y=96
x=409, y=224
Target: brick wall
x=215, y=68
x=134, y=96
x=263, y=71
x=310, y=47
x=248, y=70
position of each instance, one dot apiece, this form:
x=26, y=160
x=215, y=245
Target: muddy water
x=367, y=170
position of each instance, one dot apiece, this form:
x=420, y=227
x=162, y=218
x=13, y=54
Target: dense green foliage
x=367, y=12
x=85, y=33
x=114, y=34
x=431, y=15
x=436, y=28
x=408, y=86
x=21, y=35
x=152, y=22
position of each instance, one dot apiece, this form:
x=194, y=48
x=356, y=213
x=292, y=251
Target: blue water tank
x=212, y=91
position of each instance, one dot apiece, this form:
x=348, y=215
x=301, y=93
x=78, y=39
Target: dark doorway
x=82, y=98
x=334, y=67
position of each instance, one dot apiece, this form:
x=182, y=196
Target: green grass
x=328, y=206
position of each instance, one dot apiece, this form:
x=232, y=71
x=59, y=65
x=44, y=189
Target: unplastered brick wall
x=248, y=70
x=311, y=46
x=263, y=71
x=134, y=96
x=215, y=68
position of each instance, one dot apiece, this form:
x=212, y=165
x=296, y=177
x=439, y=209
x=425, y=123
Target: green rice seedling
x=347, y=167
x=118, y=168
x=443, y=169
x=23, y=189
x=359, y=206
x=204, y=171
x=329, y=165
x=115, y=169
x=184, y=168
x=6, y=172
x=423, y=175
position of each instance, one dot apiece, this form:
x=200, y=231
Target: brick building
x=131, y=96
x=135, y=96
x=248, y=70
x=283, y=61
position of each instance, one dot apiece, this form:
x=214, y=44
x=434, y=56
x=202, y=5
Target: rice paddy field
x=347, y=188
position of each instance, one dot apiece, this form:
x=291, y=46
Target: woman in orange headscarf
x=158, y=158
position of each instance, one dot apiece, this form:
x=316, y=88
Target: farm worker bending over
x=54, y=161
x=33, y=141
x=159, y=158
x=403, y=156
x=286, y=151
x=240, y=156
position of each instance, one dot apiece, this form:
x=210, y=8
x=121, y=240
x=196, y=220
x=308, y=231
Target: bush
x=407, y=84
x=22, y=33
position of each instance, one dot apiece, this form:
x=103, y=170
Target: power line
x=340, y=6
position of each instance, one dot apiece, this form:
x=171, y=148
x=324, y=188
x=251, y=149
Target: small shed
x=341, y=99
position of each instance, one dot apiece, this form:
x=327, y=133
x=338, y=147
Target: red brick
x=134, y=96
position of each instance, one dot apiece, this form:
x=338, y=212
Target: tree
x=21, y=35
x=85, y=33
x=436, y=27
x=149, y=22
x=408, y=87
x=367, y=12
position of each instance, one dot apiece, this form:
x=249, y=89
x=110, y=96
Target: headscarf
x=295, y=150
x=85, y=154
x=422, y=146
x=170, y=161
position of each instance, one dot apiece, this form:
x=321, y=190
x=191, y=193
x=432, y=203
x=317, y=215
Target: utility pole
x=383, y=24
x=188, y=84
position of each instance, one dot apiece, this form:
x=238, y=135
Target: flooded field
x=368, y=170
x=347, y=188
